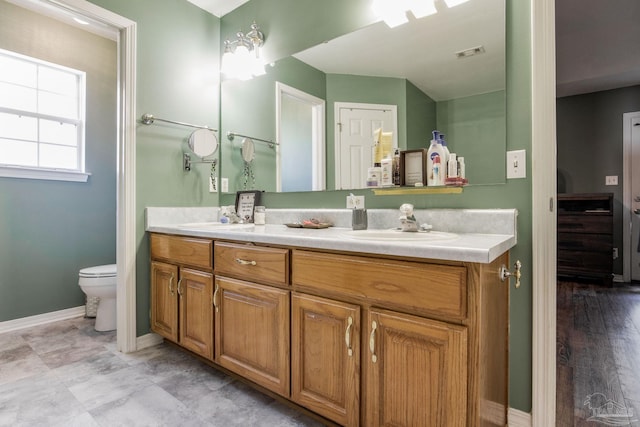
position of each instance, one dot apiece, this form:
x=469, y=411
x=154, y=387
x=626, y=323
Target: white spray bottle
x=435, y=151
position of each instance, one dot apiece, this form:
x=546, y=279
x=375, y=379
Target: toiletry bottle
x=437, y=171
x=461, y=171
x=386, y=179
x=435, y=152
x=259, y=215
x=452, y=166
x=442, y=142
x=396, y=167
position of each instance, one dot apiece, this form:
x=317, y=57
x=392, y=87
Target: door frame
x=627, y=118
x=318, y=142
x=126, y=155
x=337, y=106
x=544, y=222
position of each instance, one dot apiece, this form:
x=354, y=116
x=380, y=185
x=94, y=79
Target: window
x=42, y=113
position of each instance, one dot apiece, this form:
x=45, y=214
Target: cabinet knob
x=505, y=274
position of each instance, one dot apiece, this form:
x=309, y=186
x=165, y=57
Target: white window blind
x=42, y=114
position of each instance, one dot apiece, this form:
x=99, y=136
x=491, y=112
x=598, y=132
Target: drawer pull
x=171, y=285
x=347, y=336
x=372, y=342
x=215, y=298
x=245, y=262
x=180, y=287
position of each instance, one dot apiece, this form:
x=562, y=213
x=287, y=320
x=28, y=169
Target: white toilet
x=100, y=282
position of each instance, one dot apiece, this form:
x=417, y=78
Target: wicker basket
x=91, y=308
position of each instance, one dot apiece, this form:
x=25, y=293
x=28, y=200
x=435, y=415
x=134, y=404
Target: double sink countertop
x=469, y=235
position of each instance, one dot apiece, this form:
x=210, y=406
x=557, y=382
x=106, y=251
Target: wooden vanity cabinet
x=181, y=295
x=434, y=337
x=325, y=357
x=253, y=318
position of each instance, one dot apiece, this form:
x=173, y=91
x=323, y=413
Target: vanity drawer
x=414, y=286
x=254, y=263
x=182, y=250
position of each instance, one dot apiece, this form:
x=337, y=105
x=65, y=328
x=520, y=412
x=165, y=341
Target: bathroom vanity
x=359, y=330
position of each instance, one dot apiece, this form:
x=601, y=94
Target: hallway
x=598, y=355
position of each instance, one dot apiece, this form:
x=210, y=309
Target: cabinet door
x=252, y=332
x=196, y=311
x=416, y=371
x=325, y=358
x=164, y=300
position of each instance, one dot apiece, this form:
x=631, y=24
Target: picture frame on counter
x=246, y=202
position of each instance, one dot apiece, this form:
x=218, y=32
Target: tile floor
x=67, y=374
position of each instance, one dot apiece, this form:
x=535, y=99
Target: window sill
x=44, y=174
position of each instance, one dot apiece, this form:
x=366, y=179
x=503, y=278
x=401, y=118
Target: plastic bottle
x=442, y=141
x=396, y=167
x=435, y=151
x=461, y=171
x=452, y=166
x=386, y=179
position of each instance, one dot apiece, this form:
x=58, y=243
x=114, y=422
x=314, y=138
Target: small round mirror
x=203, y=142
x=248, y=150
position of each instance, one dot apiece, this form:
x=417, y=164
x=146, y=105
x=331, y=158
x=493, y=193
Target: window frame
x=36, y=172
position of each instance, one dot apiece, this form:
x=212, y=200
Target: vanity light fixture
x=241, y=57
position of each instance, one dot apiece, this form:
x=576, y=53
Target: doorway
x=300, y=123
x=631, y=191
x=126, y=245
x=355, y=128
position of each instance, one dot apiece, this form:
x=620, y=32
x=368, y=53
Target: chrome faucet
x=408, y=221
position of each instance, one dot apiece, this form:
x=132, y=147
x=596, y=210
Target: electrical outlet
x=516, y=164
x=212, y=184
x=355, y=202
x=224, y=185
x=611, y=180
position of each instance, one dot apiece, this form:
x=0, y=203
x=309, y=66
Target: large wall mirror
x=444, y=71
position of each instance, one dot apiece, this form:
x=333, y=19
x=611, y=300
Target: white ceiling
x=423, y=51
x=218, y=7
x=597, y=45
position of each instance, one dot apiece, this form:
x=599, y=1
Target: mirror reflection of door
x=356, y=124
x=300, y=118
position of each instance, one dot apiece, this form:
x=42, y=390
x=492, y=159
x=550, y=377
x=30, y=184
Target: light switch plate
x=516, y=164
x=355, y=202
x=611, y=180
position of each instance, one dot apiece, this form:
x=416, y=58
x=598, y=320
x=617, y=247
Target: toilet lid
x=99, y=271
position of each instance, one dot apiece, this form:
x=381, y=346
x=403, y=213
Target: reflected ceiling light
x=422, y=8
x=454, y=3
x=394, y=12
x=241, y=57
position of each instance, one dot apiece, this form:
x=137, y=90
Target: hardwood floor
x=598, y=355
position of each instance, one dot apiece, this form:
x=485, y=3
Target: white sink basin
x=214, y=226
x=397, y=235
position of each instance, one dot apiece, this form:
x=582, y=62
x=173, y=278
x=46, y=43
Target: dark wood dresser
x=585, y=236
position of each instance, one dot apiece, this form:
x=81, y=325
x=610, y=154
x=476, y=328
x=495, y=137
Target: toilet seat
x=99, y=271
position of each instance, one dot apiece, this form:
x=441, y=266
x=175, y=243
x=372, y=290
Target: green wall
x=51, y=229
x=589, y=129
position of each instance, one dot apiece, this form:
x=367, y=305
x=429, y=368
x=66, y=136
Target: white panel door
x=355, y=141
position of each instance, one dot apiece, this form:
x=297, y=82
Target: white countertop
x=481, y=247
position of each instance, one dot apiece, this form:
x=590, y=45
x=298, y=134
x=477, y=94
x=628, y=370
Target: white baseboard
x=41, y=319
x=618, y=278
x=148, y=340
x=518, y=418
